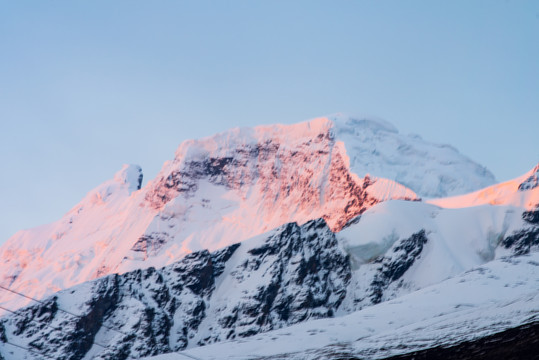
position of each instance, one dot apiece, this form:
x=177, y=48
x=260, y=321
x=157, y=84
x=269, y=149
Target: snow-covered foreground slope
x=227, y=188
x=484, y=300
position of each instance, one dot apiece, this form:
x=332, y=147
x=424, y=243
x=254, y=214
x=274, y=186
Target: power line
x=189, y=356
x=50, y=326
x=69, y=313
x=47, y=325
x=29, y=350
x=60, y=309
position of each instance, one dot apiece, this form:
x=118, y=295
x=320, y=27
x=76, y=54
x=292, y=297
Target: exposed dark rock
x=147, y=312
x=303, y=274
x=526, y=239
x=88, y=324
x=45, y=313
x=150, y=243
x=220, y=257
x=523, y=241
x=532, y=216
x=395, y=263
x=352, y=222
x=139, y=180
x=3, y=337
x=531, y=182
x=519, y=343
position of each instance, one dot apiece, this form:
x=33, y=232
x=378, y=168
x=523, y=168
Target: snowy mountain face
x=255, y=230
x=225, y=189
x=489, y=312
x=286, y=276
x=431, y=170
x=296, y=274
x=521, y=192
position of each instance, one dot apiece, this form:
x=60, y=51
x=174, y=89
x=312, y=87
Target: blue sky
x=88, y=86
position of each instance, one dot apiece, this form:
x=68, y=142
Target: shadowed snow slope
x=224, y=189
x=485, y=300
x=431, y=170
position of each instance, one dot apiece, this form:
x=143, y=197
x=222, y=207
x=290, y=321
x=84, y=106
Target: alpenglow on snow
x=230, y=187
x=333, y=238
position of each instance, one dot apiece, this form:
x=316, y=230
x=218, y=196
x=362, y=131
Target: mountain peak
x=229, y=187
x=354, y=124
x=222, y=144
x=374, y=146
x=431, y=170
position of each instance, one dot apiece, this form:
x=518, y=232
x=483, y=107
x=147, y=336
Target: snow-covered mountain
x=431, y=170
x=383, y=279
x=286, y=276
x=333, y=238
x=520, y=192
x=227, y=188
x=488, y=312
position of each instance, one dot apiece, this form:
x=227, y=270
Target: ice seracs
x=131, y=175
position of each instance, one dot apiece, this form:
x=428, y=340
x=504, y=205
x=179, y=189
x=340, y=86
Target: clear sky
x=86, y=86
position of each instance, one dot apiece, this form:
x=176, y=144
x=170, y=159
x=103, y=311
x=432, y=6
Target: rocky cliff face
x=251, y=226
x=527, y=239
x=290, y=275
x=530, y=182
x=217, y=191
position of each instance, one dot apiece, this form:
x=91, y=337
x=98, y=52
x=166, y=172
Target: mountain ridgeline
x=290, y=275
x=256, y=231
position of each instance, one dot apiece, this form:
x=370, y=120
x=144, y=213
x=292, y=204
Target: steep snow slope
x=217, y=191
x=485, y=300
x=522, y=192
x=375, y=147
x=78, y=246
